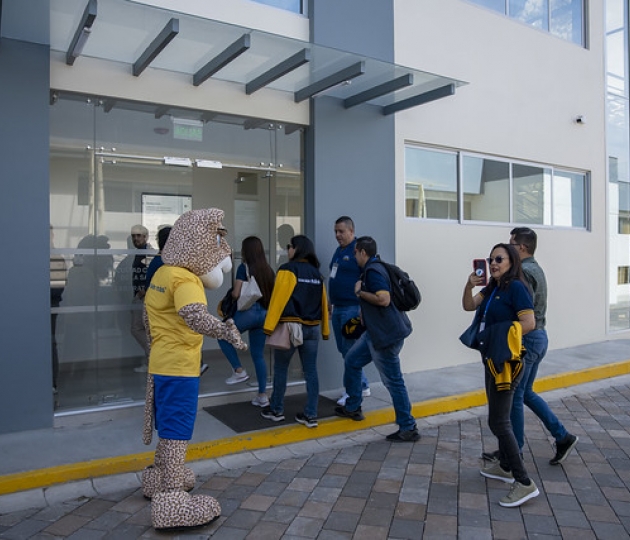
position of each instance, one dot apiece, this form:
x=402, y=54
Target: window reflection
x=109, y=174
x=492, y=190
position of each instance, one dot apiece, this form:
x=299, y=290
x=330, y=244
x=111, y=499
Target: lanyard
x=482, y=324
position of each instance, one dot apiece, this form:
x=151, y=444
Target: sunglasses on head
x=498, y=259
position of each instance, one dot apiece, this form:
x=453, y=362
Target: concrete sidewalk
x=360, y=486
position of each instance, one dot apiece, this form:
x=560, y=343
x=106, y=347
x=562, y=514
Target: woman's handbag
x=280, y=339
x=250, y=293
x=227, y=306
x=469, y=337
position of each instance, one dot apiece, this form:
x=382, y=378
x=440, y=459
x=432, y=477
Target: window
x=486, y=189
x=531, y=187
x=431, y=187
x=623, y=275
x=562, y=18
x=296, y=6
x=492, y=190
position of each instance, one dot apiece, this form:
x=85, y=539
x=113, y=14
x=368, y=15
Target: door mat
x=243, y=416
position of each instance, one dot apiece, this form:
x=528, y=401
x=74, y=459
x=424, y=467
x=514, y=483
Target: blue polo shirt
x=506, y=304
x=341, y=287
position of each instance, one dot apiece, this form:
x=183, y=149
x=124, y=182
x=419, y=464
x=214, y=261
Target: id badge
x=333, y=271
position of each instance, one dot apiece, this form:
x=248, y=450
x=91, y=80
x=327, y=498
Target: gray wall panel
x=25, y=362
x=350, y=153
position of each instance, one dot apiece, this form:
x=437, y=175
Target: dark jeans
x=499, y=409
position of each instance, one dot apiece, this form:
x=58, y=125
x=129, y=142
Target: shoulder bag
x=280, y=339
x=250, y=293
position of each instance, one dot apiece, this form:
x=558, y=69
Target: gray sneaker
x=519, y=493
x=495, y=471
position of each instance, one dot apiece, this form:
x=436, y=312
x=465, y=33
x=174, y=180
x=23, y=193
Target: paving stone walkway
x=360, y=486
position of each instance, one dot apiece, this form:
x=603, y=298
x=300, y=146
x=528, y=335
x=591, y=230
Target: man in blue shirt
x=385, y=331
x=344, y=305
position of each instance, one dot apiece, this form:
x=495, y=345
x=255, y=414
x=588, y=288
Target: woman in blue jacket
x=506, y=311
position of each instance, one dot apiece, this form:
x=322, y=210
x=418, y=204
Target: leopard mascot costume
x=195, y=257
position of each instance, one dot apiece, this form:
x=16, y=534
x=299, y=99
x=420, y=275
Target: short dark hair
x=367, y=244
x=526, y=237
x=346, y=220
x=162, y=236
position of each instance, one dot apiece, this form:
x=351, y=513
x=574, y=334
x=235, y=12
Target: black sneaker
x=490, y=456
x=563, y=449
x=308, y=421
x=271, y=415
x=410, y=435
x=357, y=415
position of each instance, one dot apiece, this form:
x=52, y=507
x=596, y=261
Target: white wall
x=526, y=88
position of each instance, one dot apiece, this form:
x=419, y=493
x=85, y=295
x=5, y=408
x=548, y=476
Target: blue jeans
x=499, y=409
x=251, y=321
x=308, y=357
x=535, y=343
x=387, y=362
x=341, y=315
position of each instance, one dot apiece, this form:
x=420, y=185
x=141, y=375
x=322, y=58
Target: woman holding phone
x=507, y=312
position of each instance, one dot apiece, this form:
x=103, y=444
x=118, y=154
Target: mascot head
x=197, y=243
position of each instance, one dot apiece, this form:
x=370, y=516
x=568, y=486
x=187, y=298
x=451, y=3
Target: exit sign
x=187, y=130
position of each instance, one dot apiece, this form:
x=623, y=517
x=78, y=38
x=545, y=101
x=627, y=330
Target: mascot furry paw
x=196, y=256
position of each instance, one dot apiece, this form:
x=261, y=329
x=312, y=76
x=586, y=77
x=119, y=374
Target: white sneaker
x=366, y=392
x=203, y=369
x=141, y=369
x=237, y=377
x=342, y=400
x=260, y=401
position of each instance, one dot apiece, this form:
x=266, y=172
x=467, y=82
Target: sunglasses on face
x=498, y=259
x=290, y=246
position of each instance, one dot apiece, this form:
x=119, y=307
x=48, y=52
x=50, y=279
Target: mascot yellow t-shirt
x=175, y=348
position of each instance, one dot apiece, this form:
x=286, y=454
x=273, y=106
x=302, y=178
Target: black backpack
x=405, y=294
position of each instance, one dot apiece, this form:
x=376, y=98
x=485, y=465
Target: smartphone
x=481, y=269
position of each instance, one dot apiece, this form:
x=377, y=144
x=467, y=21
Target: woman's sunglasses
x=290, y=246
x=498, y=259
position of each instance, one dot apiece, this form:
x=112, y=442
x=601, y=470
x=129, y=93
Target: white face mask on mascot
x=197, y=242
x=214, y=278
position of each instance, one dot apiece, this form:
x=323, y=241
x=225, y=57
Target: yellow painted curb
x=269, y=438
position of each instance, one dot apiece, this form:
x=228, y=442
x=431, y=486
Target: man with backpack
x=386, y=328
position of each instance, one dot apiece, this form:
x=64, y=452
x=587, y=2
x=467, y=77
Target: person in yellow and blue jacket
x=299, y=297
x=504, y=301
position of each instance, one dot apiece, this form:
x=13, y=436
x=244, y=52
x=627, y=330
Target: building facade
x=438, y=126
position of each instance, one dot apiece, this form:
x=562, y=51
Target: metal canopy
x=82, y=33
x=125, y=31
x=170, y=30
x=223, y=59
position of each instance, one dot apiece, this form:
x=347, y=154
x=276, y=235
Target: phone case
x=481, y=269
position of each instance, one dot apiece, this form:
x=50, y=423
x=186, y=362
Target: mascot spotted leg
x=195, y=257
x=172, y=507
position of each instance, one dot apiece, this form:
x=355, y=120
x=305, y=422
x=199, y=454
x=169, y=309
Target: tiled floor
x=359, y=486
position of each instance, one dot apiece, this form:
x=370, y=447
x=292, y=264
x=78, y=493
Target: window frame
x=460, y=155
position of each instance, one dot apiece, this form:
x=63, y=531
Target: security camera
x=580, y=120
